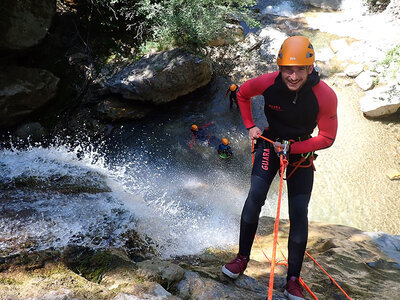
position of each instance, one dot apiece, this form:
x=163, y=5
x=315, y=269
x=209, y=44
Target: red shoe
x=236, y=266
x=294, y=290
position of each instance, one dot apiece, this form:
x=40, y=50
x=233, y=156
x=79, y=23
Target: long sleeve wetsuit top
x=292, y=115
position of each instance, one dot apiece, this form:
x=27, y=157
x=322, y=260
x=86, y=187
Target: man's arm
x=249, y=89
x=326, y=120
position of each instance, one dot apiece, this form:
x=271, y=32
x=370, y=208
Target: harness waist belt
x=273, y=137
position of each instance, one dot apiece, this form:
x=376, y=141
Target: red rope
x=330, y=277
x=283, y=163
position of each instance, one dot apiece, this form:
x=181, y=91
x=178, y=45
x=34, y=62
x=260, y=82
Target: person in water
x=233, y=88
x=224, y=150
x=296, y=101
x=201, y=134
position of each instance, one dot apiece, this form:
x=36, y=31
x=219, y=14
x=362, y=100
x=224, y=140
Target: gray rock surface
x=25, y=23
x=380, y=101
x=160, y=78
x=22, y=91
x=326, y=4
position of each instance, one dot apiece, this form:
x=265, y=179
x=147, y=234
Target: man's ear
x=310, y=69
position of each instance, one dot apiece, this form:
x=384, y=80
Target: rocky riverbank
x=350, y=256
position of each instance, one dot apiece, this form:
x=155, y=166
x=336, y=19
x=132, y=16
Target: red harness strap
x=299, y=164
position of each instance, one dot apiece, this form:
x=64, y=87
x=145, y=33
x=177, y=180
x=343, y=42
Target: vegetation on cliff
x=134, y=27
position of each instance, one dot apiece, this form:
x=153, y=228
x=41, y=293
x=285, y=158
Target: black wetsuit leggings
x=299, y=186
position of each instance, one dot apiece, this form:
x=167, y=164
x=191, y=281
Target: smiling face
x=295, y=76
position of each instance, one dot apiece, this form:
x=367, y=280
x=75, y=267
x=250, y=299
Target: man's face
x=295, y=76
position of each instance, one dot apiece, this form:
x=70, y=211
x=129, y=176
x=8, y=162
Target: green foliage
x=160, y=24
x=391, y=62
x=191, y=23
x=392, y=55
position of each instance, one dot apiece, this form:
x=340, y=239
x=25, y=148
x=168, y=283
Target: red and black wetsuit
x=291, y=116
x=232, y=97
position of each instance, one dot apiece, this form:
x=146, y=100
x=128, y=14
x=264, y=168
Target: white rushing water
x=181, y=213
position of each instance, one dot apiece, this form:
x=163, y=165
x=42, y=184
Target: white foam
x=180, y=212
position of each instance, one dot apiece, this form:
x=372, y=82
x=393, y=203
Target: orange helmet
x=233, y=87
x=296, y=51
x=194, y=127
x=225, y=141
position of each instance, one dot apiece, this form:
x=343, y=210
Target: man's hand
x=281, y=148
x=278, y=147
x=254, y=132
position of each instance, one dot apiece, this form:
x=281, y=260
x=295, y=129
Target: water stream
x=146, y=177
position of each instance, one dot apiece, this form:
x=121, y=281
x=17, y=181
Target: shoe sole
x=292, y=297
x=229, y=273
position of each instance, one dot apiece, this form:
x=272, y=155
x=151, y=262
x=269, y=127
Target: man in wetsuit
x=201, y=134
x=224, y=150
x=296, y=101
x=233, y=88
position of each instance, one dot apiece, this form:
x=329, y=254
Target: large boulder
x=25, y=23
x=22, y=91
x=381, y=101
x=160, y=78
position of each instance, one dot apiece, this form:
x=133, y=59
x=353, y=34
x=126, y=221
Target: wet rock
x=380, y=101
x=65, y=184
x=160, y=271
x=159, y=78
x=32, y=131
x=115, y=109
x=25, y=23
x=325, y=4
x=22, y=91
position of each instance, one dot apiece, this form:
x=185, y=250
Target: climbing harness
x=283, y=165
x=304, y=157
